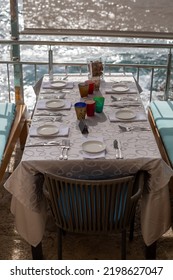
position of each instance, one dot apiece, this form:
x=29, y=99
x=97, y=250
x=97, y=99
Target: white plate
x=54, y=104
x=93, y=146
x=120, y=88
x=47, y=130
x=58, y=84
x=125, y=114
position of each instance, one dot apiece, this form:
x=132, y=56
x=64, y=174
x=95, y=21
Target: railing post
x=151, y=85
x=50, y=64
x=168, y=76
x=15, y=53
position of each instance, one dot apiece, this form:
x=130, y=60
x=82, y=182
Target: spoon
x=116, y=98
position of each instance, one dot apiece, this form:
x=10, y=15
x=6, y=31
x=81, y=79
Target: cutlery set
x=50, y=114
x=39, y=144
x=65, y=146
x=133, y=128
x=47, y=119
x=125, y=98
x=64, y=149
x=124, y=105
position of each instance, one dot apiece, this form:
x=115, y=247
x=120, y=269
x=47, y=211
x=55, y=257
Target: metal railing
x=81, y=68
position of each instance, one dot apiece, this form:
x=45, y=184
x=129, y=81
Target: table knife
x=119, y=149
x=116, y=148
x=42, y=144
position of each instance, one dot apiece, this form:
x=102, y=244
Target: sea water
x=79, y=54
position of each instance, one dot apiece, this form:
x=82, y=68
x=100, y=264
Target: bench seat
x=13, y=126
x=161, y=117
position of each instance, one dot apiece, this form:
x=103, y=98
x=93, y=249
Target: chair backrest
x=37, y=87
x=18, y=130
x=93, y=205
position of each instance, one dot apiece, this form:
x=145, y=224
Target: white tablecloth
x=139, y=151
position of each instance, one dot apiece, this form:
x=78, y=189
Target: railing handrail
x=135, y=65
x=16, y=62
x=88, y=43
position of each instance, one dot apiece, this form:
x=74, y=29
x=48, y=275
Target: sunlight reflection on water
x=80, y=54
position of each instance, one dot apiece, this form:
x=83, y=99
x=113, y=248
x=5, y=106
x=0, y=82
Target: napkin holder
x=83, y=127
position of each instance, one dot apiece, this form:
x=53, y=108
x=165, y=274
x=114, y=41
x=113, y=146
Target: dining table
x=123, y=119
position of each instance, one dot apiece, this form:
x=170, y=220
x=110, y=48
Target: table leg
x=150, y=251
x=37, y=253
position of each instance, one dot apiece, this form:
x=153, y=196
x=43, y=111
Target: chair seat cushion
x=7, y=115
x=163, y=115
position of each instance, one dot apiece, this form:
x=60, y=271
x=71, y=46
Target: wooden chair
x=37, y=87
x=160, y=145
x=93, y=206
x=158, y=139
x=18, y=131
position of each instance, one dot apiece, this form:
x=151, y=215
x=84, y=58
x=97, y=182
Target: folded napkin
x=63, y=131
x=140, y=116
x=48, y=85
x=88, y=155
x=41, y=105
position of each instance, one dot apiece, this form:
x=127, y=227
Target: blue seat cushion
x=163, y=115
x=7, y=115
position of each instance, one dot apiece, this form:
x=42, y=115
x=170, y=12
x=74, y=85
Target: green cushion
x=163, y=115
x=7, y=114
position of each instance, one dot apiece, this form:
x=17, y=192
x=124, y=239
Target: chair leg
x=37, y=253
x=23, y=135
x=59, y=240
x=123, y=244
x=150, y=251
x=132, y=228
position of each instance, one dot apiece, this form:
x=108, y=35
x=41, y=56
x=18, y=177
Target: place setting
x=121, y=88
x=93, y=148
x=126, y=114
x=132, y=128
x=47, y=119
x=48, y=130
x=54, y=104
x=121, y=102
x=125, y=98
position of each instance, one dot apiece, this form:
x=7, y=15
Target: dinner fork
x=67, y=147
x=62, y=150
